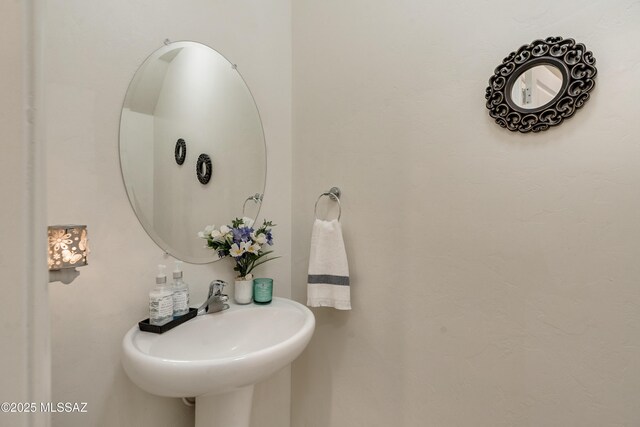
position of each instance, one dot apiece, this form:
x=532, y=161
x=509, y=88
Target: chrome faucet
x=216, y=301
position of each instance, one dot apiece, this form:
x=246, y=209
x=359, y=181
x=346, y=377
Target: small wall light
x=67, y=249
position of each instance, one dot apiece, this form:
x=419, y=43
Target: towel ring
x=257, y=198
x=333, y=194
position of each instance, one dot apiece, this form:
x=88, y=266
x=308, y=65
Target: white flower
x=209, y=228
x=216, y=234
x=201, y=234
x=259, y=238
x=224, y=230
x=253, y=248
x=247, y=221
x=236, y=251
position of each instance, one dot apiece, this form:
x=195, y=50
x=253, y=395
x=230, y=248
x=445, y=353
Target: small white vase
x=243, y=291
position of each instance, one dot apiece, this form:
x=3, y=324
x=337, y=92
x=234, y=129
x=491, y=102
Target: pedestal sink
x=217, y=358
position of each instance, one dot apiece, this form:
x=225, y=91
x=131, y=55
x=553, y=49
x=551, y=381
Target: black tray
x=147, y=327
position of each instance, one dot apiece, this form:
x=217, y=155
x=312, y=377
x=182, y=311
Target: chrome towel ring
x=333, y=194
x=256, y=198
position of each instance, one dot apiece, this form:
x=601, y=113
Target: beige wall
x=92, y=51
x=24, y=320
x=494, y=275
x=13, y=363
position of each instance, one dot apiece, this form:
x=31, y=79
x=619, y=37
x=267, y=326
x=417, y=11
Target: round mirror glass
x=192, y=148
x=536, y=86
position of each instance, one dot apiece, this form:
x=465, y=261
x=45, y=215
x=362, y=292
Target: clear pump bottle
x=161, y=300
x=180, y=292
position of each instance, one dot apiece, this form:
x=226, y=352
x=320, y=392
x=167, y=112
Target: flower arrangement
x=242, y=242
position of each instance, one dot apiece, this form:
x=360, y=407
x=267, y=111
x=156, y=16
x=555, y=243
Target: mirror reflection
x=536, y=86
x=187, y=102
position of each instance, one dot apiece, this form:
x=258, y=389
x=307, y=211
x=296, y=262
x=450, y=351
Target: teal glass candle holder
x=262, y=290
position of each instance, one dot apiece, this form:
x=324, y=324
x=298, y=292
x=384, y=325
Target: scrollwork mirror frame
x=577, y=66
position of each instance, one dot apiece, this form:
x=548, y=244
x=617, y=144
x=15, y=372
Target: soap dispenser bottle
x=180, y=292
x=161, y=300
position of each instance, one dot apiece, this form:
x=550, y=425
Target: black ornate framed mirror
x=541, y=84
x=180, y=151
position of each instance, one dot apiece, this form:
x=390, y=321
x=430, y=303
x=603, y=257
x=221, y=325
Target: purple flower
x=242, y=234
x=269, y=238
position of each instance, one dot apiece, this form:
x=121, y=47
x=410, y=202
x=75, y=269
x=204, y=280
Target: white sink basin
x=218, y=353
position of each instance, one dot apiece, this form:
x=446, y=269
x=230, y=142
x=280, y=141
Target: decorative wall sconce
x=68, y=249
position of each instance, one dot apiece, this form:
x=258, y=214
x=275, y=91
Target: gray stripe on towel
x=328, y=279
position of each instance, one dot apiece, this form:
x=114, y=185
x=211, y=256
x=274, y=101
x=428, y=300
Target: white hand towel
x=328, y=282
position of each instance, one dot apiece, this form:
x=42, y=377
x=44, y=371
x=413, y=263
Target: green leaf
x=260, y=263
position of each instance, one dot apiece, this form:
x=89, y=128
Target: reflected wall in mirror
x=541, y=84
x=536, y=86
x=188, y=91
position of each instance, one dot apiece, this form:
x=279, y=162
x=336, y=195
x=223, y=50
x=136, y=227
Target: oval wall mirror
x=536, y=87
x=188, y=91
x=541, y=84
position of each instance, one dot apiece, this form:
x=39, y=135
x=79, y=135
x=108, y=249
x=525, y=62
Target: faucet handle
x=216, y=298
x=216, y=287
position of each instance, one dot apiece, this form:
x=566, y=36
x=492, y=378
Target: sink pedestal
x=231, y=409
